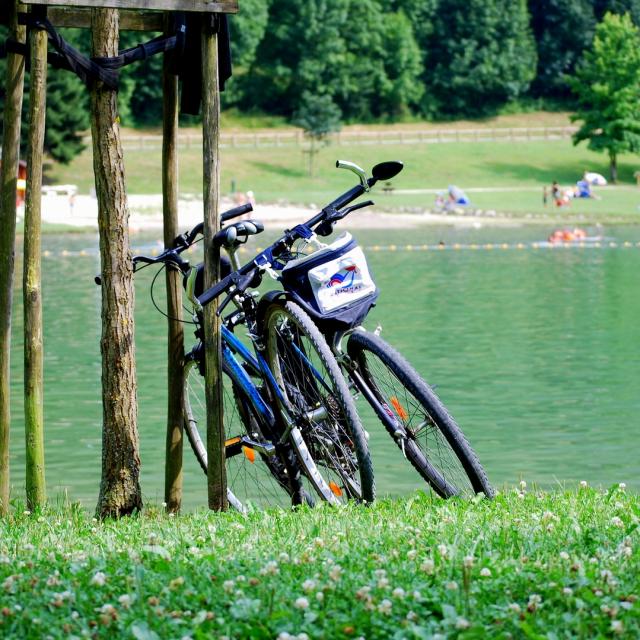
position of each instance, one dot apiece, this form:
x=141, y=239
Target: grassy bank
x=512, y=175
x=529, y=565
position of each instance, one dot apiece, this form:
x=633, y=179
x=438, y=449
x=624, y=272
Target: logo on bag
x=344, y=280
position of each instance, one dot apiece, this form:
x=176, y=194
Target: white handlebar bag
x=334, y=285
x=342, y=281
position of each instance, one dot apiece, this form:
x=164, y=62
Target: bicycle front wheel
x=259, y=473
x=324, y=426
x=434, y=444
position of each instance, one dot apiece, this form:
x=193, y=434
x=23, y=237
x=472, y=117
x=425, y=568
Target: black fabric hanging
x=190, y=67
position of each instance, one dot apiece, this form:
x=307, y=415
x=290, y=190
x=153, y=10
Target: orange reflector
x=400, y=410
x=337, y=491
x=230, y=441
x=249, y=454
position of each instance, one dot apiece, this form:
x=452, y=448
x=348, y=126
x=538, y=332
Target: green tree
x=563, y=29
x=67, y=109
x=318, y=116
x=481, y=55
x=607, y=86
x=632, y=7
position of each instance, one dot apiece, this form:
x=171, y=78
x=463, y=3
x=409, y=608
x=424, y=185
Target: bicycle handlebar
x=329, y=214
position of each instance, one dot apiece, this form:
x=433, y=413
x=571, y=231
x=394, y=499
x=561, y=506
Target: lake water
x=536, y=352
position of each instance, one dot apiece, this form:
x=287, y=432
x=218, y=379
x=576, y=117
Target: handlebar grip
x=236, y=212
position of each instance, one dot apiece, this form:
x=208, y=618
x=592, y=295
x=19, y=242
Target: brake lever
x=242, y=284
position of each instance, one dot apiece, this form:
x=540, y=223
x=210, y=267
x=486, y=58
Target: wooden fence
x=295, y=137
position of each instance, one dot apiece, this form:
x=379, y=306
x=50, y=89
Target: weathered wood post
x=120, y=487
x=175, y=351
x=216, y=471
x=14, y=84
x=32, y=272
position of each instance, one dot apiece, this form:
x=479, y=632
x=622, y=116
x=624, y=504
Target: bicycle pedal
x=264, y=448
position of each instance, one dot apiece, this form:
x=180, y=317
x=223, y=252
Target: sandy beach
x=146, y=214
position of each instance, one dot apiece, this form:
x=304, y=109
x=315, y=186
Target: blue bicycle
x=292, y=430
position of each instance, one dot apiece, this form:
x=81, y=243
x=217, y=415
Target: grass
x=280, y=175
x=526, y=565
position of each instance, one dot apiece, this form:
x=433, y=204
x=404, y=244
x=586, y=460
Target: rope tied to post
x=184, y=43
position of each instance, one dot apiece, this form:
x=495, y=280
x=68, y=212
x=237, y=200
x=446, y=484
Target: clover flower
x=99, y=579
x=301, y=603
x=485, y=572
x=385, y=607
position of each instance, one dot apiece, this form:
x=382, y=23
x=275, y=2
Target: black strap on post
x=184, y=44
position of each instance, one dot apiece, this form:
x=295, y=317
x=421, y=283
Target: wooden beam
x=129, y=20
x=175, y=339
x=32, y=275
x=8, y=187
x=120, y=492
x=201, y=6
x=216, y=470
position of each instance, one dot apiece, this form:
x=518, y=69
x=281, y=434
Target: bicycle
x=289, y=416
x=334, y=287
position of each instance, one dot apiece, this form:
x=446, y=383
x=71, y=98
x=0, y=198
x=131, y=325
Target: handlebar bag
x=334, y=283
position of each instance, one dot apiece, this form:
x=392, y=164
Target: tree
x=479, y=56
x=67, y=108
x=318, y=117
x=563, y=29
x=607, y=86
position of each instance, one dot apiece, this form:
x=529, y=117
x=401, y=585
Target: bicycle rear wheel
x=326, y=431
x=259, y=474
x=434, y=443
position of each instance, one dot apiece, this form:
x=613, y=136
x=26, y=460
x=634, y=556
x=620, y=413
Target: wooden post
x=8, y=187
x=216, y=471
x=175, y=354
x=120, y=487
x=32, y=293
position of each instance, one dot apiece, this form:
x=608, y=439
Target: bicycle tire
x=253, y=479
x=328, y=436
x=436, y=446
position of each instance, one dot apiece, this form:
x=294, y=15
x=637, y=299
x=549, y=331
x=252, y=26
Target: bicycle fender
x=266, y=300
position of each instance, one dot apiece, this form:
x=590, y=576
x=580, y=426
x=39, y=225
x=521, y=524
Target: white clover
x=283, y=635
x=125, y=600
x=523, y=484
x=302, y=636
x=385, y=607
x=427, y=566
x=284, y=557
x=380, y=573
x=622, y=486
x=308, y=586
x=301, y=603
x=617, y=627
x=383, y=583
x=335, y=573
x=617, y=522
x=584, y=484
x=398, y=592
x=318, y=542
x=228, y=585
x=485, y=572
x=468, y=562
x=270, y=569
x=462, y=623
x=319, y=596
x=411, y=554
x=515, y=607
x=567, y=591
x=99, y=579
x=563, y=555
x=443, y=550
x=451, y=586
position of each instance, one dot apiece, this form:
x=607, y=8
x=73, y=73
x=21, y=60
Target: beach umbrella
x=595, y=179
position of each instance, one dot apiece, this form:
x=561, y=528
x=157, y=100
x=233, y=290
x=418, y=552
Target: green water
x=535, y=352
